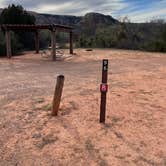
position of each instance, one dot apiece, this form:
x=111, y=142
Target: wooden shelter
x=35, y=28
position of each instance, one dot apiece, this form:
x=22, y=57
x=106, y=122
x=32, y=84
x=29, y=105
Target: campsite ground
x=135, y=129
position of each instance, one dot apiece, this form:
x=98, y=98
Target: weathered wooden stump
x=57, y=95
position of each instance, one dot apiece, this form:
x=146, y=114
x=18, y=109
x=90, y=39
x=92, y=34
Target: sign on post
x=103, y=89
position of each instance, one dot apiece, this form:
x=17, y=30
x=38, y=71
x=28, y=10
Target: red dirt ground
x=135, y=129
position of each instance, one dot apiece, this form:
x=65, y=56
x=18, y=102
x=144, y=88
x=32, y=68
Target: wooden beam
x=71, y=42
x=37, y=41
x=35, y=27
x=53, y=43
x=8, y=44
x=57, y=95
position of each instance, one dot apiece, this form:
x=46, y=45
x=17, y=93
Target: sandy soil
x=135, y=129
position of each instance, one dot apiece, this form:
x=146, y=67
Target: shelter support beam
x=71, y=42
x=8, y=44
x=53, y=43
x=37, y=41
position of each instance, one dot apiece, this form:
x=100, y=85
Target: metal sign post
x=103, y=89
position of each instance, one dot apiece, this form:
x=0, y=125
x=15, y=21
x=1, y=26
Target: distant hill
x=88, y=23
x=95, y=18
x=56, y=19
x=89, y=18
x=53, y=19
x=92, y=21
x=99, y=30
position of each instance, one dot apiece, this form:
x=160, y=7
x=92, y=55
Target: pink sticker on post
x=103, y=87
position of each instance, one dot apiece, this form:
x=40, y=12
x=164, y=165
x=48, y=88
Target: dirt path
x=135, y=129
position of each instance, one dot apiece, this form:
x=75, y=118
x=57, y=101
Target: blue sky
x=136, y=10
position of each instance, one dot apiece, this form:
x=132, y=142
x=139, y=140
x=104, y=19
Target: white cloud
x=141, y=17
x=76, y=7
x=155, y=10
x=135, y=10
x=54, y=7
x=2, y=3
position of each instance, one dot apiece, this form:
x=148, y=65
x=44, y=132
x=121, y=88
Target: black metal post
x=103, y=89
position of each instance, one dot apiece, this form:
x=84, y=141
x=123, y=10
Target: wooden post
x=37, y=41
x=57, y=95
x=53, y=43
x=71, y=42
x=8, y=44
x=103, y=89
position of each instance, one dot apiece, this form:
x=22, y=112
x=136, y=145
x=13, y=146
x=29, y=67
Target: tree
x=164, y=35
x=17, y=15
x=124, y=19
x=157, y=21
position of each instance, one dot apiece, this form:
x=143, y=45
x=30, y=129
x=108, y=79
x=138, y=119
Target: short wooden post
x=8, y=44
x=71, y=42
x=53, y=42
x=37, y=41
x=103, y=89
x=57, y=95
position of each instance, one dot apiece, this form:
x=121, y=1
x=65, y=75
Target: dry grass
x=135, y=129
